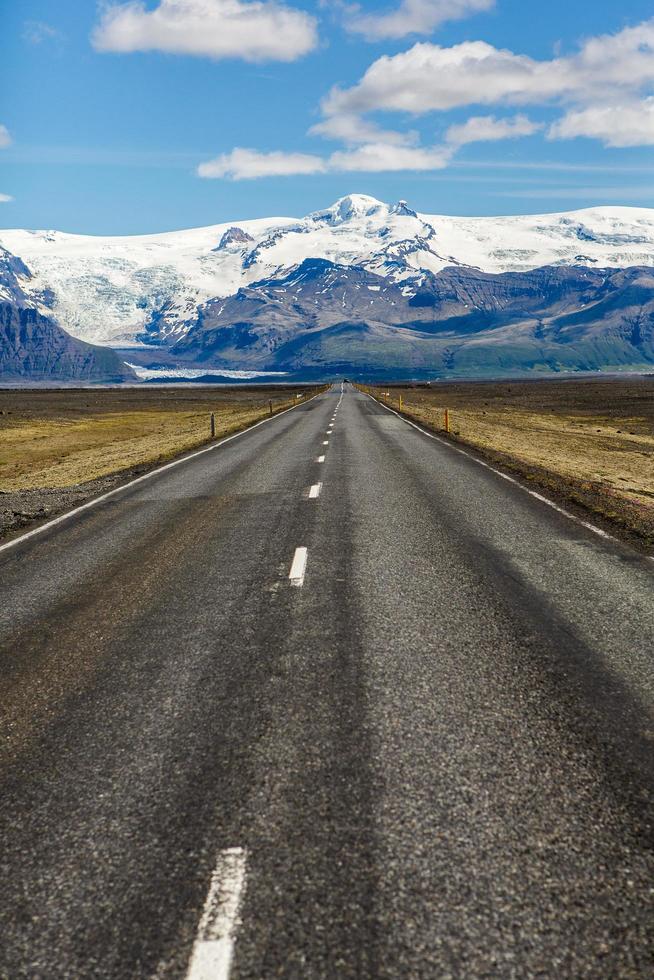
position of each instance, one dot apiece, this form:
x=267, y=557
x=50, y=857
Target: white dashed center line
x=298, y=568
x=326, y=442
x=321, y=459
x=315, y=491
x=214, y=944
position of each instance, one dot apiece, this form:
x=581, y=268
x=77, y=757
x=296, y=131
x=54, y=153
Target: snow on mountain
x=106, y=290
x=121, y=291
x=608, y=237
x=33, y=347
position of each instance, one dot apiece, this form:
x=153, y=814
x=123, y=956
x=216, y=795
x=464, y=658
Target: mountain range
x=34, y=347
x=361, y=287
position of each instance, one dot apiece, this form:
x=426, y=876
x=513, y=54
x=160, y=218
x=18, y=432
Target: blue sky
x=135, y=117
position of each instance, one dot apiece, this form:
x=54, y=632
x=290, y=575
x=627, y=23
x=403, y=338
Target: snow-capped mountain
x=127, y=291
x=35, y=348
x=323, y=319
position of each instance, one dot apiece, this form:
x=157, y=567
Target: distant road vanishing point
x=329, y=699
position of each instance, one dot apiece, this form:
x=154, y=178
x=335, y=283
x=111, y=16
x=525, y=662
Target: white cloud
x=375, y=154
x=603, y=90
x=354, y=130
x=5, y=137
x=242, y=164
x=412, y=17
x=5, y=198
x=37, y=31
x=391, y=155
x=378, y=157
x=258, y=30
x=480, y=129
x=429, y=78
x=615, y=125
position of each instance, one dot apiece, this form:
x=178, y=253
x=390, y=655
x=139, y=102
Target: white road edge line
x=532, y=493
x=139, y=479
x=321, y=459
x=315, y=491
x=213, y=949
x=298, y=567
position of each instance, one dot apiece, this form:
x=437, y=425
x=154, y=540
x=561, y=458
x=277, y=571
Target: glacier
x=144, y=290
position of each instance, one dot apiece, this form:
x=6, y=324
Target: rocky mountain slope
x=147, y=289
x=34, y=348
x=327, y=318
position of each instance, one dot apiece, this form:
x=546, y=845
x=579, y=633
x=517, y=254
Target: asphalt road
x=427, y=755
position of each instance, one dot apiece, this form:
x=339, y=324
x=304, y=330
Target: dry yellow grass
x=583, y=449
x=62, y=449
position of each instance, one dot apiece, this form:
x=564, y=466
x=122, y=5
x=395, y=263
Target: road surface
x=420, y=748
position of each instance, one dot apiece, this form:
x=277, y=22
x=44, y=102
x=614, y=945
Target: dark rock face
x=403, y=208
x=234, y=236
x=34, y=348
x=323, y=316
x=11, y=268
x=273, y=312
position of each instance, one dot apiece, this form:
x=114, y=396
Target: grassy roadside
x=61, y=447
x=589, y=444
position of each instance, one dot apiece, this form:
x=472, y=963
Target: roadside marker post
x=213, y=426
x=447, y=420
x=270, y=406
x=400, y=402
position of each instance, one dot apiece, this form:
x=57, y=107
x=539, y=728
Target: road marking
x=139, y=479
x=321, y=459
x=326, y=442
x=315, y=491
x=532, y=493
x=213, y=949
x=298, y=568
